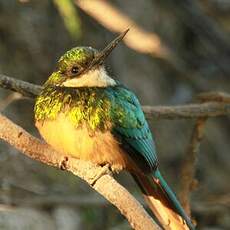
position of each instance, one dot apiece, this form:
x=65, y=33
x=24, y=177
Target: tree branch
x=214, y=96
x=207, y=109
x=97, y=177
x=25, y=88
x=187, y=181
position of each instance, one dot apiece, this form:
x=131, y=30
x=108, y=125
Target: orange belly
x=100, y=148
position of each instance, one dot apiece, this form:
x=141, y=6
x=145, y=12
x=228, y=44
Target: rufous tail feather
x=162, y=202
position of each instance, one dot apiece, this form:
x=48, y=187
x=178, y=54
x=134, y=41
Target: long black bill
x=102, y=55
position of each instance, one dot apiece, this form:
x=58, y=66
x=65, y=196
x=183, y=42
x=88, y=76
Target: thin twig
x=214, y=96
x=97, y=177
x=25, y=88
x=189, y=111
x=187, y=182
x=208, y=109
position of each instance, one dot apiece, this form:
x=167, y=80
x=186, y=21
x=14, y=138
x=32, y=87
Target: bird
x=86, y=114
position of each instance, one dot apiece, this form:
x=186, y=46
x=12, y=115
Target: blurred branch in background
x=189, y=111
x=187, y=181
x=24, y=88
x=214, y=96
x=70, y=16
x=219, y=6
x=137, y=39
x=190, y=14
x=97, y=177
x=114, y=20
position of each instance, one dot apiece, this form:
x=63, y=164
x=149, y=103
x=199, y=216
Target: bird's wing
x=130, y=125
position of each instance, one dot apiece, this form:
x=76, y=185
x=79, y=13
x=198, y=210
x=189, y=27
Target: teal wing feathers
x=130, y=125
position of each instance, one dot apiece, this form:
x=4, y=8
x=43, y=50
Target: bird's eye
x=74, y=70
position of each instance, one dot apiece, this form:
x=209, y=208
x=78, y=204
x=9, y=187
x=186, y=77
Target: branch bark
x=97, y=177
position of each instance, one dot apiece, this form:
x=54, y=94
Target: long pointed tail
x=163, y=202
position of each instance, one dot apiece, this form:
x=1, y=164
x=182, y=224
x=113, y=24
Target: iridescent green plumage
x=80, y=105
x=81, y=56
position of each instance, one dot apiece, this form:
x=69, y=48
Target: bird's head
x=84, y=67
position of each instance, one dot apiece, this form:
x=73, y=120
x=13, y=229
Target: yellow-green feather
x=78, y=104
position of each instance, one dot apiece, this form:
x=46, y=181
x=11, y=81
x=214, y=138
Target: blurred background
x=174, y=51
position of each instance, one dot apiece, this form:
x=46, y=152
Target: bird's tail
x=163, y=202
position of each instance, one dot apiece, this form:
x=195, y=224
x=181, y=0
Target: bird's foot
x=63, y=164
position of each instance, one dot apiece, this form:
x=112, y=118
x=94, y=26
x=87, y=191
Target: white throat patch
x=93, y=78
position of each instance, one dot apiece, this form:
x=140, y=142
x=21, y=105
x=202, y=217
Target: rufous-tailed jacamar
x=83, y=112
